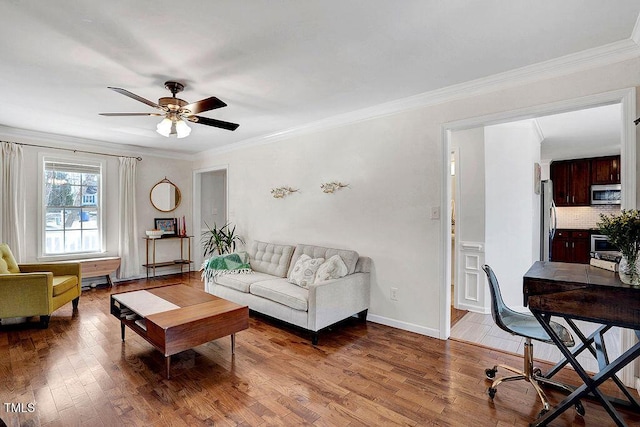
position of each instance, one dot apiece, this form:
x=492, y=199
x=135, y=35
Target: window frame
x=42, y=207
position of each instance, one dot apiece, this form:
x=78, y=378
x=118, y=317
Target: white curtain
x=128, y=241
x=13, y=199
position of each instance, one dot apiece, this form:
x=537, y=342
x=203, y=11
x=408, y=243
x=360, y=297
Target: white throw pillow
x=304, y=271
x=333, y=268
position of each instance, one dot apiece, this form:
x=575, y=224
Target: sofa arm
x=26, y=294
x=58, y=269
x=335, y=300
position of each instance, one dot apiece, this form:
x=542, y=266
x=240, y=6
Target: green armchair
x=28, y=290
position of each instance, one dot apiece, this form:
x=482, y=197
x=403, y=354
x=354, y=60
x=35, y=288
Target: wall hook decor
x=280, y=192
x=331, y=187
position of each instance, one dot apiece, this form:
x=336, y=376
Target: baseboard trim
x=474, y=309
x=406, y=326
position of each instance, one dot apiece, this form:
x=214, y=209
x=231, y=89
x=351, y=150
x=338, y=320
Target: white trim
x=584, y=60
x=78, y=159
x=538, y=130
x=72, y=143
x=405, y=326
x=635, y=34
x=444, y=271
x=196, y=206
x=627, y=99
x=628, y=150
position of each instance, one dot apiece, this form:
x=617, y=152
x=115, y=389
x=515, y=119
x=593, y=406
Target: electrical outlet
x=394, y=294
x=435, y=212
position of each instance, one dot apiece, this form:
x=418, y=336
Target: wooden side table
x=152, y=263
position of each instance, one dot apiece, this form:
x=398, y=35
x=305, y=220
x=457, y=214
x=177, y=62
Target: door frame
x=625, y=97
x=197, y=205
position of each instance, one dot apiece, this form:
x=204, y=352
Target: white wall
x=394, y=165
x=470, y=172
x=150, y=171
x=512, y=208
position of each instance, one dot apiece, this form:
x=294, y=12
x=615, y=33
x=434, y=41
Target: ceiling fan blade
x=212, y=122
x=136, y=97
x=131, y=114
x=203, y=105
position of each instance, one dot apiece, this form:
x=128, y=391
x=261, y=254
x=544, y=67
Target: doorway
x=209, y=203
x=626, y=99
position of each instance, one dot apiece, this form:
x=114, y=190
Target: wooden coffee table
x=175, y=318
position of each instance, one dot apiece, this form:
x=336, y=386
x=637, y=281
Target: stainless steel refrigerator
x=548, y=219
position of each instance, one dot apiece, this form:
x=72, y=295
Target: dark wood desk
x=583, y=292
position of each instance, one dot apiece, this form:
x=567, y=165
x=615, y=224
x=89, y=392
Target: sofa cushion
x=333, y=268
x=283, y=292
x=62, y=284
x=8, y=264
x=270, y=258
x=350, y=258
x=241, y=282
x=304, y=272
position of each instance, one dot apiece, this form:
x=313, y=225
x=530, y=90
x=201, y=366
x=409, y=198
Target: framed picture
x=168, y=225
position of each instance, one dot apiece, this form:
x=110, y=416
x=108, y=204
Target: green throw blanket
x=235, y=263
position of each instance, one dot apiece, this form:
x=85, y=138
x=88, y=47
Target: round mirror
x=165, y=196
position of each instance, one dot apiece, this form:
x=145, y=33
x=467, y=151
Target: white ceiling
x=584, y=133
x=277, y=64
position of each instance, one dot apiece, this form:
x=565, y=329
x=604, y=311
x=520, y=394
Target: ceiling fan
x=176, y=111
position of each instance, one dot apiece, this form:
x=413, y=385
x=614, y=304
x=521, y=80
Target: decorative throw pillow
x=8, y=263
x=235, y=263
x=333, y=268
x=304, y=271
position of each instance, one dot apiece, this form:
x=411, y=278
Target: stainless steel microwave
x=606, y=194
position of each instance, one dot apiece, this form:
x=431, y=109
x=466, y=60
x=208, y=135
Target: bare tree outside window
x=71, y=199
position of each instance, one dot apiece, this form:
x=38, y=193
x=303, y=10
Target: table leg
x=590, y=385
x=233, y=343
x=167, y=361
x=109, y=282
x=600, y=354
x=122, y=330
x=584, y=345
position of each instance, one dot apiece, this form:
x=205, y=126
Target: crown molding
x=635, y=34
x=591, y=58
x=71, y=143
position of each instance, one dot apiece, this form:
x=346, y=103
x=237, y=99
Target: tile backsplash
x=583, y=217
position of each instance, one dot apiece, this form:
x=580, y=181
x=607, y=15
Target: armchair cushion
x=62, y=284
x=8, y=264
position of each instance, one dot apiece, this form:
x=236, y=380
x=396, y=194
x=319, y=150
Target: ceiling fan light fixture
x=182, y=130
x=177, y=111
x=164, y=127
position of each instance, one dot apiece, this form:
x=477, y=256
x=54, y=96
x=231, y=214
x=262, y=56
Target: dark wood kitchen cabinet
x=571, y=182
x=605, y=170
x=571, y=246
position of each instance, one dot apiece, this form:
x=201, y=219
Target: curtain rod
x=138, y=158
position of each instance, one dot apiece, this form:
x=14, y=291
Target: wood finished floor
x=481, y=329
x=78, y=372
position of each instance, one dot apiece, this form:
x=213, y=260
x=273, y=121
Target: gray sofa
x=267, y=291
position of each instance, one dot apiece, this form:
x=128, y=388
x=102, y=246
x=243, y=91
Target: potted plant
x=222, y=240
x=624, y=232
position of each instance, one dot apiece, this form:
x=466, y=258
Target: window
x=71, y=200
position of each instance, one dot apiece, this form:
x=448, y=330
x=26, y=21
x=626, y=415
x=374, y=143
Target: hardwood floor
x=481, y=329
x=79, y=372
